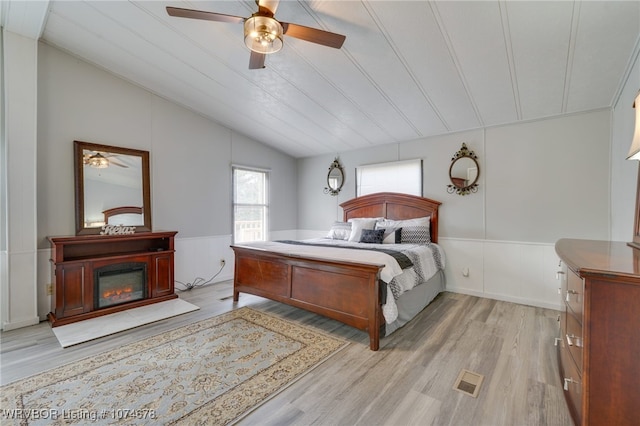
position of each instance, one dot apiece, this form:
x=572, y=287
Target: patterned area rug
x=210, y=372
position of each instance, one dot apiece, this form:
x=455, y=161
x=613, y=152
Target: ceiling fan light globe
x=263, y=34
x=99, y=162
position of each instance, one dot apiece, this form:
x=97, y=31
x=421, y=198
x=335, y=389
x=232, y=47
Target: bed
x=346, y=287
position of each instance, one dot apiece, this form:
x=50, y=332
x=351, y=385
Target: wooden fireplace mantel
x=75, y=258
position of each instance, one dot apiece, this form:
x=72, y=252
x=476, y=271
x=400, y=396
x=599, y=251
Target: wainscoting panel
x=285, y=235
x=199, y=257
x=307, y=234
x=464, y=266
x=19, y=309
x=511, y=271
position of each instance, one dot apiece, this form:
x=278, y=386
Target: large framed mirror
x=112, y=187
x=464, y=172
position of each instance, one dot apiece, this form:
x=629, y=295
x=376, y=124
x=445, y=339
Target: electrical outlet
x=49, y=289
x=223, y=262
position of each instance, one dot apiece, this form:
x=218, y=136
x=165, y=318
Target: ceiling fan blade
x=115, y=163
x=201, y=14
x=313, y=35
x=256, y=61
x=270, y=5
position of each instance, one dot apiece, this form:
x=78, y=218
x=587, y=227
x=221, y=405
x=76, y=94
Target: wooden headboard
x=394, y=206
x=121, y=210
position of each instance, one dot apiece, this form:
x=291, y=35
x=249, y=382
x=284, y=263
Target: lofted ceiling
x=407, y=70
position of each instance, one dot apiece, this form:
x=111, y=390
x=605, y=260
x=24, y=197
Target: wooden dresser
x=599, y=343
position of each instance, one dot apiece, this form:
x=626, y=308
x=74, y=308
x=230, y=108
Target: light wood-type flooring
x=409, y=381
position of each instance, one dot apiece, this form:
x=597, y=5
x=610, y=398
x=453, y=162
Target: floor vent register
x=468, y=383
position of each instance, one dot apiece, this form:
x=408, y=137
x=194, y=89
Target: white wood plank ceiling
x=407, y=70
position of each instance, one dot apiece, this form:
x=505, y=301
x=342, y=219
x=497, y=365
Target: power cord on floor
x=198, y=281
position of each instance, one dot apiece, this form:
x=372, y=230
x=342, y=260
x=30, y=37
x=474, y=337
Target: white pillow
x=389, y=223
x=358, y=224
x=340, y=231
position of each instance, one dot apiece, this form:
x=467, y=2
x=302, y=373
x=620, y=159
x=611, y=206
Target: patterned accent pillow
x=340, y=231
x=415, y=235
x=392, y=234
x=374, y=236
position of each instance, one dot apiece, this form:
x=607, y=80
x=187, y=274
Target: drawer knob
x=568, y=381
x=557, y=340
x=573, y=340
x=569, y=293
x=559, y=275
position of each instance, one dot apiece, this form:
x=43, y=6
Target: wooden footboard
x=345, y=291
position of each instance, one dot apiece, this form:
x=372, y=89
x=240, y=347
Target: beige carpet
x=210, y=372
x=94, y=328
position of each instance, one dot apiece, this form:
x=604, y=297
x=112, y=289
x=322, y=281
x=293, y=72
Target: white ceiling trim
x=26, y=18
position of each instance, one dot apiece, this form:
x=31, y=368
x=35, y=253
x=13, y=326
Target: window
x=250, y=204
x=397, y=176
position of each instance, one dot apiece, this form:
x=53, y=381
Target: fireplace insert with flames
x=120, y=283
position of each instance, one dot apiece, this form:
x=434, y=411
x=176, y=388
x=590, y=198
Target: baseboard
x=506, y=298
x=19, y=324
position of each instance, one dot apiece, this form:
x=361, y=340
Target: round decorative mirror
x=464, y=172
x=335, y=178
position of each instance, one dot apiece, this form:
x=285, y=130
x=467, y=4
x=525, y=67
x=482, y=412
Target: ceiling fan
x=100, y=161
x=262, y=32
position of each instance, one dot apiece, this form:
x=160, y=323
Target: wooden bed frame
x=345, y=291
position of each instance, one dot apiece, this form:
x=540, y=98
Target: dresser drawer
x=573, y=339
x=571, y=382
x=574, y=297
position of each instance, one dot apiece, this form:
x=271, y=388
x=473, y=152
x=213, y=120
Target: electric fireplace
x=119, y=283
x=102, y=274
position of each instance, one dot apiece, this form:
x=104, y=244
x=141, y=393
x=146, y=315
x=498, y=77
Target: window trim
x=267, y=189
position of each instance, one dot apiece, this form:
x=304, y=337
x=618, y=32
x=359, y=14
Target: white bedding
x=427, y=261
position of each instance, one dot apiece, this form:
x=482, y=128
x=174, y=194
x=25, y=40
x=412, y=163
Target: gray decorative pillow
x=415, y=235
x=373, y=236
x=340, y=231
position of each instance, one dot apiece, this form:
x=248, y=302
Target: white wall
x=539, y=181
x=549, y=179
x=190, y=157
x=623, y=171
